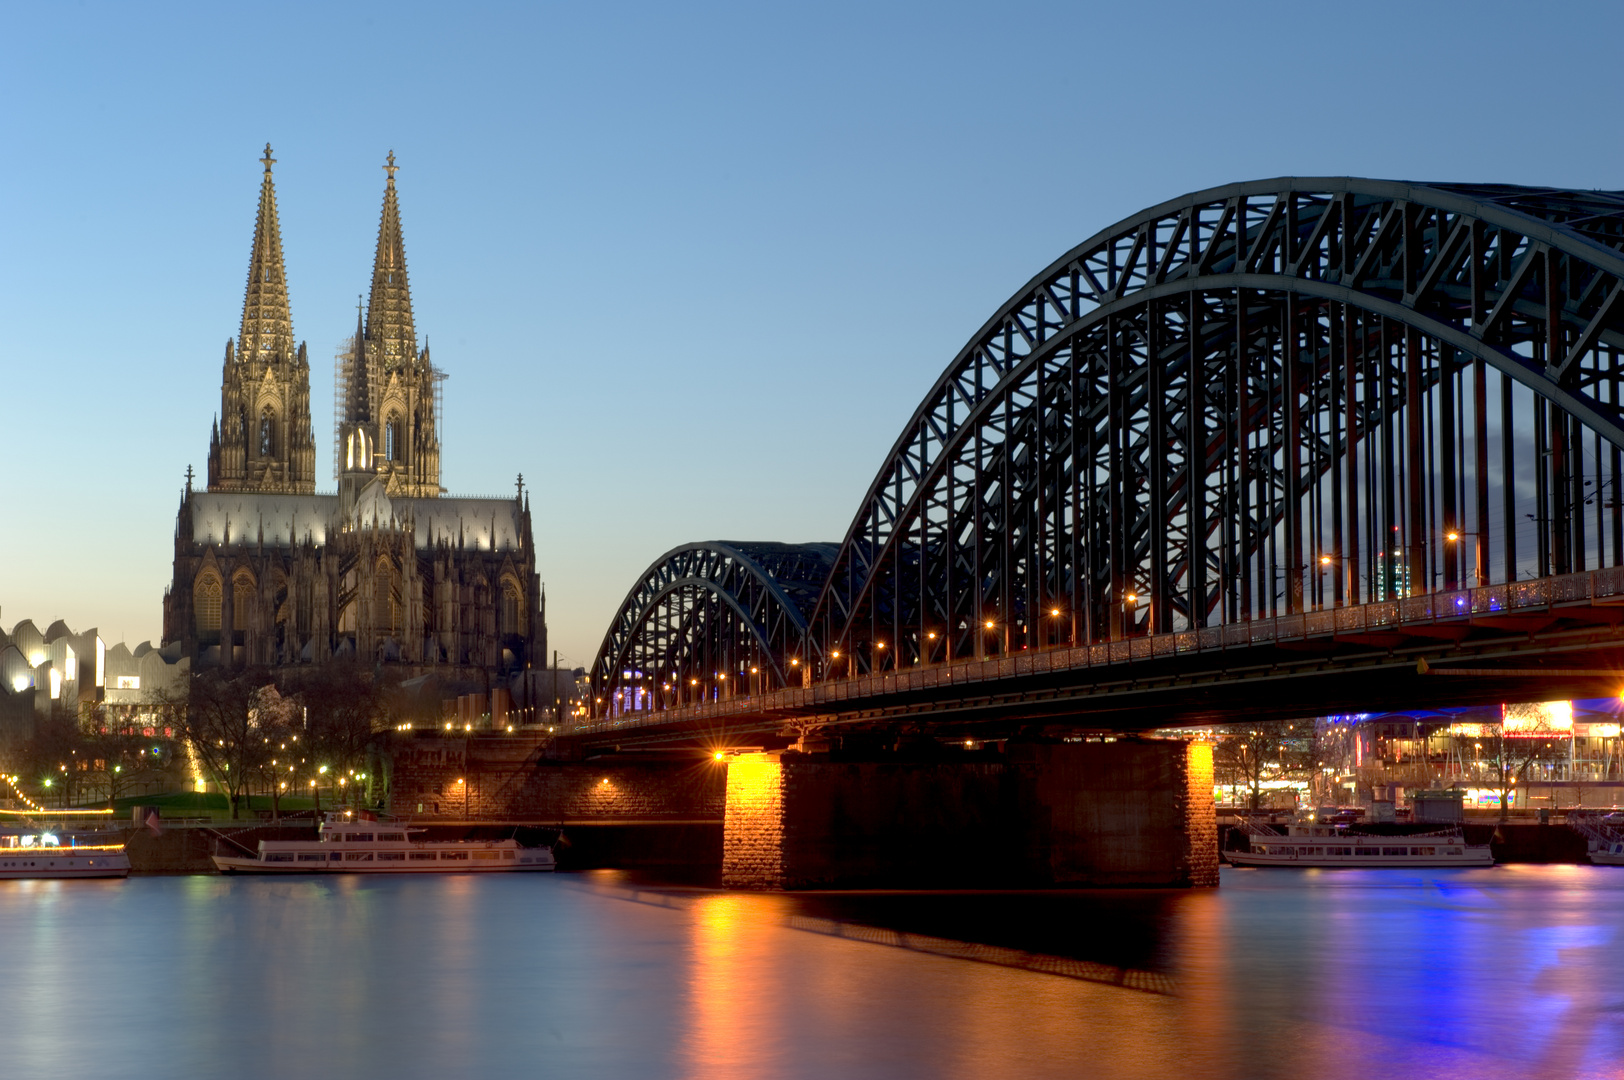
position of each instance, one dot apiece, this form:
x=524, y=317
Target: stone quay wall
x=511, y=780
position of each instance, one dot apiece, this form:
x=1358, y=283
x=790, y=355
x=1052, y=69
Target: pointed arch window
x=512, y=608
x=393, y=430
x=267, y=432
x=242, y=600
x=206, y=596
x=386, y=607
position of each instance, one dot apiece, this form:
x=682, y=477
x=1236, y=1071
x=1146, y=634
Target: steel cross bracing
x=1253, y=401
x=710, y=620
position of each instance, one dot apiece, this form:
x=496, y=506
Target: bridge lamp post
x=1130, y=604
x=1453, y=536
x=1055, y=614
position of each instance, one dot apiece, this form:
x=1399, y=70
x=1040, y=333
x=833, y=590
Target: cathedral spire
x=267, y=322
x=389, y=310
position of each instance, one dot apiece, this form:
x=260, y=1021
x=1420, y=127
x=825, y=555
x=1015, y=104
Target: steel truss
x=709, y=620
x=1255, y=400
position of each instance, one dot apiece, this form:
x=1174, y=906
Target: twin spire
x=267, y=318
x=388, y=389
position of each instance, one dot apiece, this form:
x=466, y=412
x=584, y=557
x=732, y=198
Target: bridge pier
x=1129, y=812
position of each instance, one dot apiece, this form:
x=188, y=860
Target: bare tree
x=1248, y=755
x=1525, y=735
x=221, y=723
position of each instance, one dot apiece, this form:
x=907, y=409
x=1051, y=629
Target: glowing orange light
x=717, y=755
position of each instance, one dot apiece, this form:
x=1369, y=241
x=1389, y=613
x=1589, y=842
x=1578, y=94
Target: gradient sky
x=690, y=267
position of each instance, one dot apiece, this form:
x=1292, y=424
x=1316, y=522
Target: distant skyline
x=690, y=270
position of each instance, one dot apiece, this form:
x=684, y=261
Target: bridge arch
x=710, y=619
x=1251, y=401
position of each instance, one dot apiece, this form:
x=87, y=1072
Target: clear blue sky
x=690, y=267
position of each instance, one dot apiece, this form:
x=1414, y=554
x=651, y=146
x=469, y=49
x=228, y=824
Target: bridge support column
x=1129, y=812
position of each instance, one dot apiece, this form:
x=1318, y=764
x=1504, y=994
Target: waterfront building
x=387, y=569
x=60, y=673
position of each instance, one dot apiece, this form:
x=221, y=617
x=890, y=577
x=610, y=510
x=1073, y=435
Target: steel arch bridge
x=1253, y=401
x=708, y=618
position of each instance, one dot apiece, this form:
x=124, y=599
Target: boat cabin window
x=361, y=838
x=312, y=856
x=279, y=856
x=391, y=836
x=417, y=855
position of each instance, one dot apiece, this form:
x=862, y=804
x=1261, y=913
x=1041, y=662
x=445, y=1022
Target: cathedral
x=389, y=569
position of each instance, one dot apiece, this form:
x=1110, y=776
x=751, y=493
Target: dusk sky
x=690, y=267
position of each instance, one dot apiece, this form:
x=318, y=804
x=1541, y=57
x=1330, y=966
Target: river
x=1513, y=971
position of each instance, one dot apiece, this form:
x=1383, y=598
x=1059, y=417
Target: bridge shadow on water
x=1119, y=937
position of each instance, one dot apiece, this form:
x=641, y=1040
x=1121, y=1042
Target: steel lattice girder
x=1199, y=398
x=708, y=608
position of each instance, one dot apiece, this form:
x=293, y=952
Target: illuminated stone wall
x=753, y=828
x=498, y=779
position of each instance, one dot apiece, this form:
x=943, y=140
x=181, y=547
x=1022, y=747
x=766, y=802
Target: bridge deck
x=1559, y=635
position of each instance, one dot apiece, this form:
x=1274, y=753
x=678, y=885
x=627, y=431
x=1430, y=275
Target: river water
x=1514, y=971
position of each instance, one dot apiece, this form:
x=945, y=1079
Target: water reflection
x=1512, y=971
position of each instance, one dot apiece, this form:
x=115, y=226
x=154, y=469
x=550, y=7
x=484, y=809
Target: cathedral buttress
x=263, y=439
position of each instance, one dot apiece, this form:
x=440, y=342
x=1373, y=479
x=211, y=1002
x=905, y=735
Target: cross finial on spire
x=389, y=168
x=268, y=159
x=520, y=484
x=188, y=479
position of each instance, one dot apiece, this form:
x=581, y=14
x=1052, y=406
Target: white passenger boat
x=1603, y=833
x=379, y=847
x=1334, y=846
x=45, y=854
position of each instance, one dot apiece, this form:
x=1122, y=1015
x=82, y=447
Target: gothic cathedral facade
x=388, y=569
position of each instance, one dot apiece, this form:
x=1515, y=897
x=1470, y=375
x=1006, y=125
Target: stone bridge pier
x=1122, y=812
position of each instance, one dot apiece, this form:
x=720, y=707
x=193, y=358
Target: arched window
x=267, y=433
x=206, y=604
x=242, y=600
x=385, y=599
x=512, y=609
x=393, y=429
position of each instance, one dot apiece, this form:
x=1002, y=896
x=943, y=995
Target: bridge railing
x=1384, y=616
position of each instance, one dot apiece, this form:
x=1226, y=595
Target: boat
x=1603, y=833
x=45, y=854
x=1338, y=846
x=343, y=846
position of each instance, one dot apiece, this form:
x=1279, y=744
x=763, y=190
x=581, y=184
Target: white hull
x=372, y=847
x=34, y=866
x=245, y=865
x=1331, y=850
x=1243, y=858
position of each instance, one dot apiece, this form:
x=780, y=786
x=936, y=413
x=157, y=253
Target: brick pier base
x=1127, y=813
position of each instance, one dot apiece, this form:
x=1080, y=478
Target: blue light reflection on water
x=1511, y=971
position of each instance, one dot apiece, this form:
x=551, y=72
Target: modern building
x=387, y=569
x=61, y=674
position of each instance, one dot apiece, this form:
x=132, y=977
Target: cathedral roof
x=242, y=517
x=267, y=320
x=389, y=310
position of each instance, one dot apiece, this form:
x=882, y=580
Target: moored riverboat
x=1332, y=846
x=379, y=847
x=45, y=854
x=1603, y=833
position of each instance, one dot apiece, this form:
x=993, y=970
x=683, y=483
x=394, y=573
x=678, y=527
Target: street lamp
x=1453, y=536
